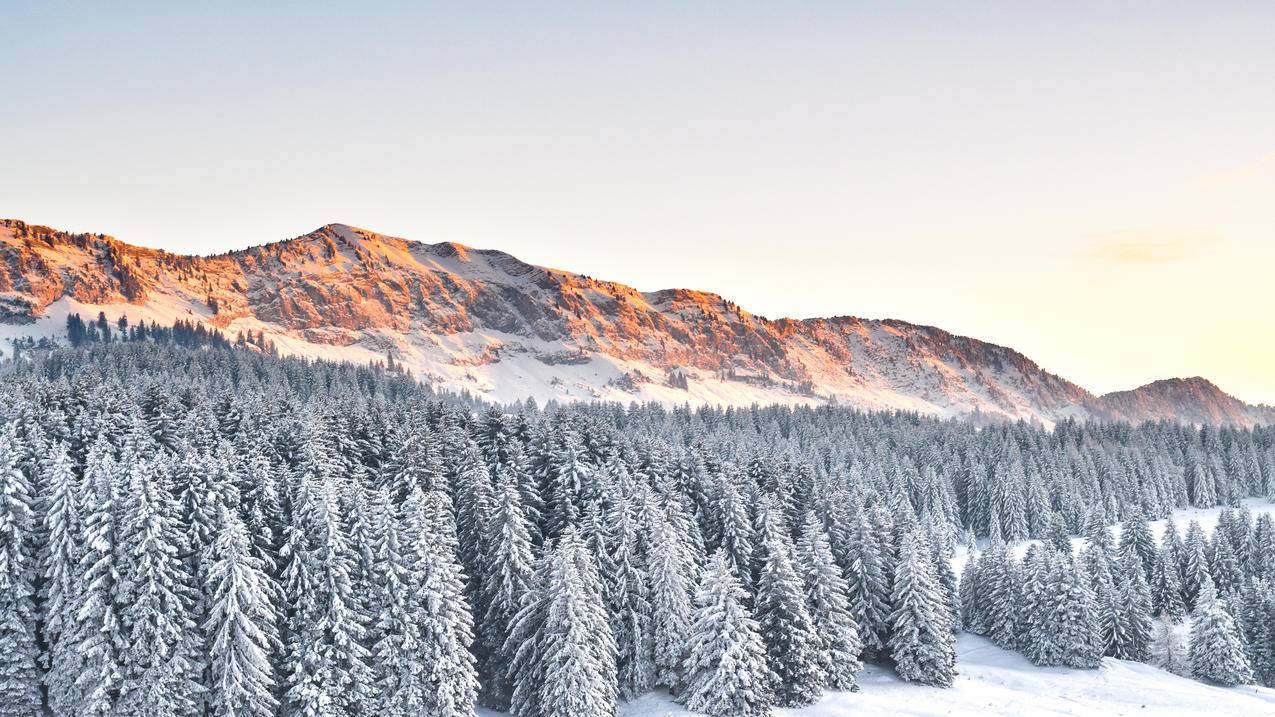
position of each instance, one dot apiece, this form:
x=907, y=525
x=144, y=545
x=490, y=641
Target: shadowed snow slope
x=483, y=321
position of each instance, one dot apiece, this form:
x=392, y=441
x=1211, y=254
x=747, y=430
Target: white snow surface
x=995, y=682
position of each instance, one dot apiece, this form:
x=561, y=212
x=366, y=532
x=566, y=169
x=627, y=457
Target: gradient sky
x=1093, y=185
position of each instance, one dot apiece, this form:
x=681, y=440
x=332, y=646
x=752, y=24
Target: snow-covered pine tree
x=921, y=640
x=1074, y=613
x=1257, y=622
x=735, y=530
x=626, y=589
x=59, y=565
x=1137, y=542
x=327, y=672
x=570, y=478
x=19, y=678
x=1166, y=589
x=869, y=586
x=1036, y=617
x=1195, y=566
x=727, y=674
x=445, y=625
x=565, y=659
x=161, y=659
x=971, y=599
x=792, y=645
x=828, y=599
x=97, y=629
x=241, y=627
x=1126, y=614
x=1000, y=592
x=400, y=682
x=671, y=601
x=507, y=567
x=1217, y=647
x=1224, y=568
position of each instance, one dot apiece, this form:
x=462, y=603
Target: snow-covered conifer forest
x=207, y=530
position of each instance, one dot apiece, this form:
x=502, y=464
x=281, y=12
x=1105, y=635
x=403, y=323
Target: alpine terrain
x=484, y=322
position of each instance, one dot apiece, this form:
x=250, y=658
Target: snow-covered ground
x=995, y=682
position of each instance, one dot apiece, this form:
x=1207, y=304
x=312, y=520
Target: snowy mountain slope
x=998, y=683
x=1193, y=400
x=486, y=322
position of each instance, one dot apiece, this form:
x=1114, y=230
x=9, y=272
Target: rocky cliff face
x=483, y=321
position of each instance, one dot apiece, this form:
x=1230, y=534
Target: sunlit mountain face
x=482, y=321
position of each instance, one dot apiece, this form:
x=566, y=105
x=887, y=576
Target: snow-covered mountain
x=1191, y=400
x=486, y=322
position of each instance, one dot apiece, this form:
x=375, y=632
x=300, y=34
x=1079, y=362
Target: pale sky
x=1091, y=185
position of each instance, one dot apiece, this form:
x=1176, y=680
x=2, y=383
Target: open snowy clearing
x=994, y=682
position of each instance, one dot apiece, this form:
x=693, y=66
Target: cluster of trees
x=225, y=532
x=1060, y=608
x=190, y=334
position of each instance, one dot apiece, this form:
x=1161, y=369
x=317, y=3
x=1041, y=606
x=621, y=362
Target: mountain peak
x=1193, y=399
x=484, y=321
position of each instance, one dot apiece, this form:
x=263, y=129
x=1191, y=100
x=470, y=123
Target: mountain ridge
x=482, y=320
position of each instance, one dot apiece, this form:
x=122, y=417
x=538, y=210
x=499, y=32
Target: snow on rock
x=485, y=322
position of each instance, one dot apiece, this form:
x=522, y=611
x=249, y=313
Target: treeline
x=225, y=532
x=1060, y=608
x=188, y=334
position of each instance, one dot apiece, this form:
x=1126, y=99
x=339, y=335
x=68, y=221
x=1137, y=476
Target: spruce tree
x=507, y=576
x=445, y=629
x=671, y=602
x=161, y=661
x=727, y=671
x=1166, y=589
x=921, y=641
x=565, y=655
x=828, y=599
x=1217, y=648
x=792, y=645
x=19, y=678
x=97, y=621
x=626, y=588
x=869, y=587
x=60, y=567
x=241, y=627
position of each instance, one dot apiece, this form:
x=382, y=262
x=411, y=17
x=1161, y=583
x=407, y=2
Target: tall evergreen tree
x=828, y=599
x=792, y=645
x=1217, y=648
x=727, y=672
x=98, y=633
x=241, y=627
x=60, y=568
x=19, y=678
x=921, y=642
x=438, y=593
x=869, y=587
x=1166, y=589
x=506, y=580
x=160, y=660
x=671, y=602
x=565, y=658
